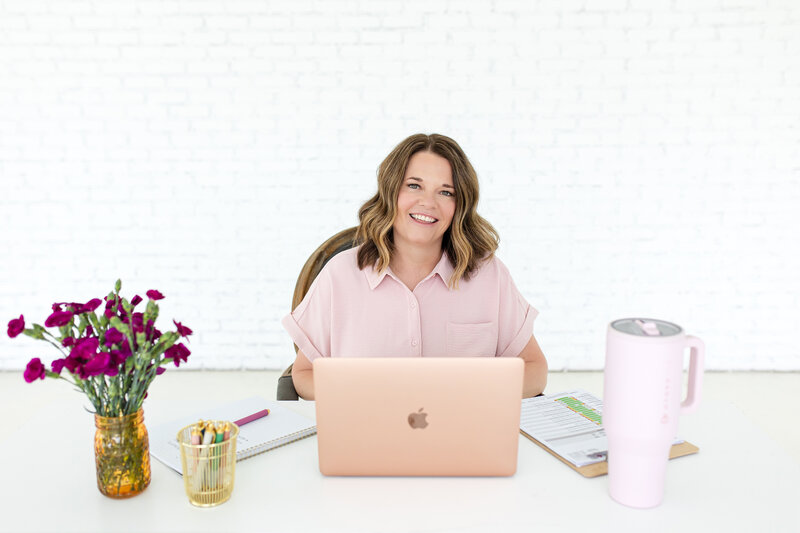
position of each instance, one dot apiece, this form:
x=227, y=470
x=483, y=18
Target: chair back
x=344, y=240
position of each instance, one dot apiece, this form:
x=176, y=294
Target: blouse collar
x=444, y=269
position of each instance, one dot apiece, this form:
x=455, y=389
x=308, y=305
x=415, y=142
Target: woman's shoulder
x=492, y=265
x=492, y=272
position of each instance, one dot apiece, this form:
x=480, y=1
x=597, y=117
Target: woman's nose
x=428, y=199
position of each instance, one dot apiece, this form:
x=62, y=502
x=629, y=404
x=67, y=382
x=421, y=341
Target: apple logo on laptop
x=417, y=420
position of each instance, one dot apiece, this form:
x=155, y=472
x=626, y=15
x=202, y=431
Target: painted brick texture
x=637, y=158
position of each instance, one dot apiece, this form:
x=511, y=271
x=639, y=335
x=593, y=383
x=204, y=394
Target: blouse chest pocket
x=471, y=340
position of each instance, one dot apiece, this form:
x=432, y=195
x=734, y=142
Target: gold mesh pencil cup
x=208, y=469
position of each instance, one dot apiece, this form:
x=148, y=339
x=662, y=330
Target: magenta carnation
x=91, y=305
x=72, y=363
x=177, y=353
x=184, y=331
x=58, y=318
x=35, y=370
x=113, y=336
x=154, y=295
x=138, y=322
x=58, y=365
x=77, y=308
x=118, y=357
x=97, y=365
x=16, y=326
x=85, y=349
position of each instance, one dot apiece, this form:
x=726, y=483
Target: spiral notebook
x=282, y=426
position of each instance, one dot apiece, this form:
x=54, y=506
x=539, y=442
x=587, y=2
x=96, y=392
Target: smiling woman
x=428, y=165
x=423, y=280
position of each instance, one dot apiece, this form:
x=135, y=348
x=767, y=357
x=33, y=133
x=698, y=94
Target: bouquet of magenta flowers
x=112, y=358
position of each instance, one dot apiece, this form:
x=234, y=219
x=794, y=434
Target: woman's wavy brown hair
x=469, y=241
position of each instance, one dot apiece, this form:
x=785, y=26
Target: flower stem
x=56, y=344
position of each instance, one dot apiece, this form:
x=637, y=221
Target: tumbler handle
x=696, y=357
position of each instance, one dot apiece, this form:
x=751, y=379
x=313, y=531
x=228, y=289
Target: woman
x=423, y=281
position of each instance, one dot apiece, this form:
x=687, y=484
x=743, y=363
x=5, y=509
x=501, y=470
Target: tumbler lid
x=646, y=327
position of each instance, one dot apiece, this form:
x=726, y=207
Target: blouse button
x=413, y=305
x=414, y=342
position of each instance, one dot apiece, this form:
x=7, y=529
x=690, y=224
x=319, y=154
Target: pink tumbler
x=642, y=401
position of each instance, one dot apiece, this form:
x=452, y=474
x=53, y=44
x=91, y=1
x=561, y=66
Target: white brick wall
x=637, y=157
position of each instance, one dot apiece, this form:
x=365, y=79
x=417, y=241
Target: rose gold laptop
x=418, y=416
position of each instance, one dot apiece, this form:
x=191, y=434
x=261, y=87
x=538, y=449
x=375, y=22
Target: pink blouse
x=349, y=312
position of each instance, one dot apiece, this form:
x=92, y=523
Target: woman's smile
x=423, y=219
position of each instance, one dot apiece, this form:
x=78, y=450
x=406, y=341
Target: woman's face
x=426, y=202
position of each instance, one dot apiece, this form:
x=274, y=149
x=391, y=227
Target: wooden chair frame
x=344, y=240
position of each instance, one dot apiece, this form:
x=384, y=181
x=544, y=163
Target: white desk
x=742, y=480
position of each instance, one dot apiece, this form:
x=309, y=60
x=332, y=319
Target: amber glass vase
x=122, y=454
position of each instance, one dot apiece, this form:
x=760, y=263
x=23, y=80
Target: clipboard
x=601, y=468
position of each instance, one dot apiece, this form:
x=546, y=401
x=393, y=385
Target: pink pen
x=251, y=418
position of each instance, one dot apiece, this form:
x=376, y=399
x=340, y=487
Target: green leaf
x=34, y=333
x=118, y=286
x=95, y=323
x=120, y=325
x=82, y=323
x=150, y=312
x=168, y=339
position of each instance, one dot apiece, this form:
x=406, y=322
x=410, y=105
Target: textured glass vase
x=122, y=455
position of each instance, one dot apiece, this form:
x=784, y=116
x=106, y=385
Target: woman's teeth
x=423, y=218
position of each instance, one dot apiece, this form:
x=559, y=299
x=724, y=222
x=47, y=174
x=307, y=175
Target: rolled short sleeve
x=515, y=316
x=309, y=324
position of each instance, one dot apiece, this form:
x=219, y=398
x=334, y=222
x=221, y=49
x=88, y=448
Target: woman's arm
x=534, y=380
x=535, y=369
x=303, y=376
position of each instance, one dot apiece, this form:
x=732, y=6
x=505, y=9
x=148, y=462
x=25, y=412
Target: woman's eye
x=413, y=185
x=447, y=193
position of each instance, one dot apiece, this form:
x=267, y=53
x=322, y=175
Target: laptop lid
x=417, y=416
